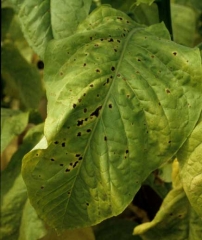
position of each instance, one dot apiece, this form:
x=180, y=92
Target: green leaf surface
x=31, y=228
x=175, y=220
x=113, y=229
x=13, y=190
x=149, y=2
x=42, y=21
x=184, y=24
x=6, y=18
x=190, y=159
x=104, y=103
x=13, y=123
x=22, y=80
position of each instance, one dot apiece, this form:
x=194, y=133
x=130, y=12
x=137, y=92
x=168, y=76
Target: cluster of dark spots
x=113, y=68
x=74, y=105
x=84, y=64
x=111, y=40
x=75, y=164
x=52, y=159
x=85, y=110
x=88, y=130
x=91, y=85
x=56, y=142
x=63, y=144
x=80, y=122
x=120, y=18
x=106, y=82
x=61, y=164
x=96, y=112
x=67, y=170
x=96, y=45
x=110, y=105
x=105, y=138
x=168, y=91
x=79, y=134
x=174, y=53
x=97, y=70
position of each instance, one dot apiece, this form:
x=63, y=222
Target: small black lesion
x=110, y=105
x=61, y=164
x=74, y=105
x=78, y=155
x=98, y=70
x=87, y=204
x=52, y=159
x=80, y=122
x=115, y=50
x=174, y=53
x=167, y=90
x=127, y=151
x=42, y=187
x=91, y=85
x=67, y=170
x=56, y=142
x=96, y=112
x=80, y=158
x=169, y=141
x=113, y=68
x=120, y=18
x=118, y=41
x=105, y=138
x=63, y=144
x=79, y=134
x=88, y=130
x=85, y=110
x=37, y=155
x=74, y=165
x=111, y=40
x=139, y=60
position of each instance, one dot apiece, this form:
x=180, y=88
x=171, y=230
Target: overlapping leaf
x=175, y=220
x=122, y=100
x=42, y=21
x=190, y=158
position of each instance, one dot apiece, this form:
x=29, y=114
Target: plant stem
x=165, y=14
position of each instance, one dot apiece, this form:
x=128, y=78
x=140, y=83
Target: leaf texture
x=119, y=98
x=190, y=159
x=42, y=21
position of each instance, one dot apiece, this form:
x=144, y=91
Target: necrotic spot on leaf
x=110, y=105
x=52, y=159
x=120, y=18
x=37, y=154
x=63, y=144
x=118, y=41
x=91, y=85
x=79, y=100
x=115, y=50
x=96, y=112
x=42, y=187
x=139, y=60
x=67, y=170
x=174, y=53
x=87, y=204
x=79, y=134
x=127, y=151
x=77, y=155
x=97, y=70
x=75, y=164
x=84, y=64
x=80, y=158
x=105, y=138
x=85, y=110
x=74, y=105
x=88, y=130
x=61, y=164
x=79, y=122
x=111, y=40
x=56, y=142
x=40, y=65
x=167, y=90
x=98, y=95
x=112, y=68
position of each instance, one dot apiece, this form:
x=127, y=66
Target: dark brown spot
x=91, y=85
x=79, y=134
x=61, y=164
x=118, y=41
x=84, y=64
x=115, y=50
x=110, y=105
x=152, y=56
x=111, y=40
x=88, y=130
x=96, y=112
x=169, y=142
x=87, y=204
x=61, y=73
x=79, y=122
x=139, y=60
x=80, y=158
x=52, y=159
x=63, y=144
x=120, y=18
x=79, y=100
x=167, y=90
x=85, y=110
x=74, y=105
x=96, y=45
x=67, y=170
x=91, y=38
x=97, y=70
x=98, y=95
x=56, y=142
x=75, y=164
x=112, y=68
x=78, y=155
x=101, y=39
x=174, y=53
x=105, y=138
x=42, y=187
x=127, y=151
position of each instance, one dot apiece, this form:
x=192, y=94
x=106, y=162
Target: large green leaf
x=22, y=79
x=42, y=21
x=13, y=190
x=122, y=99
x=190, y=159
x=13, y=123
x=175, y=220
